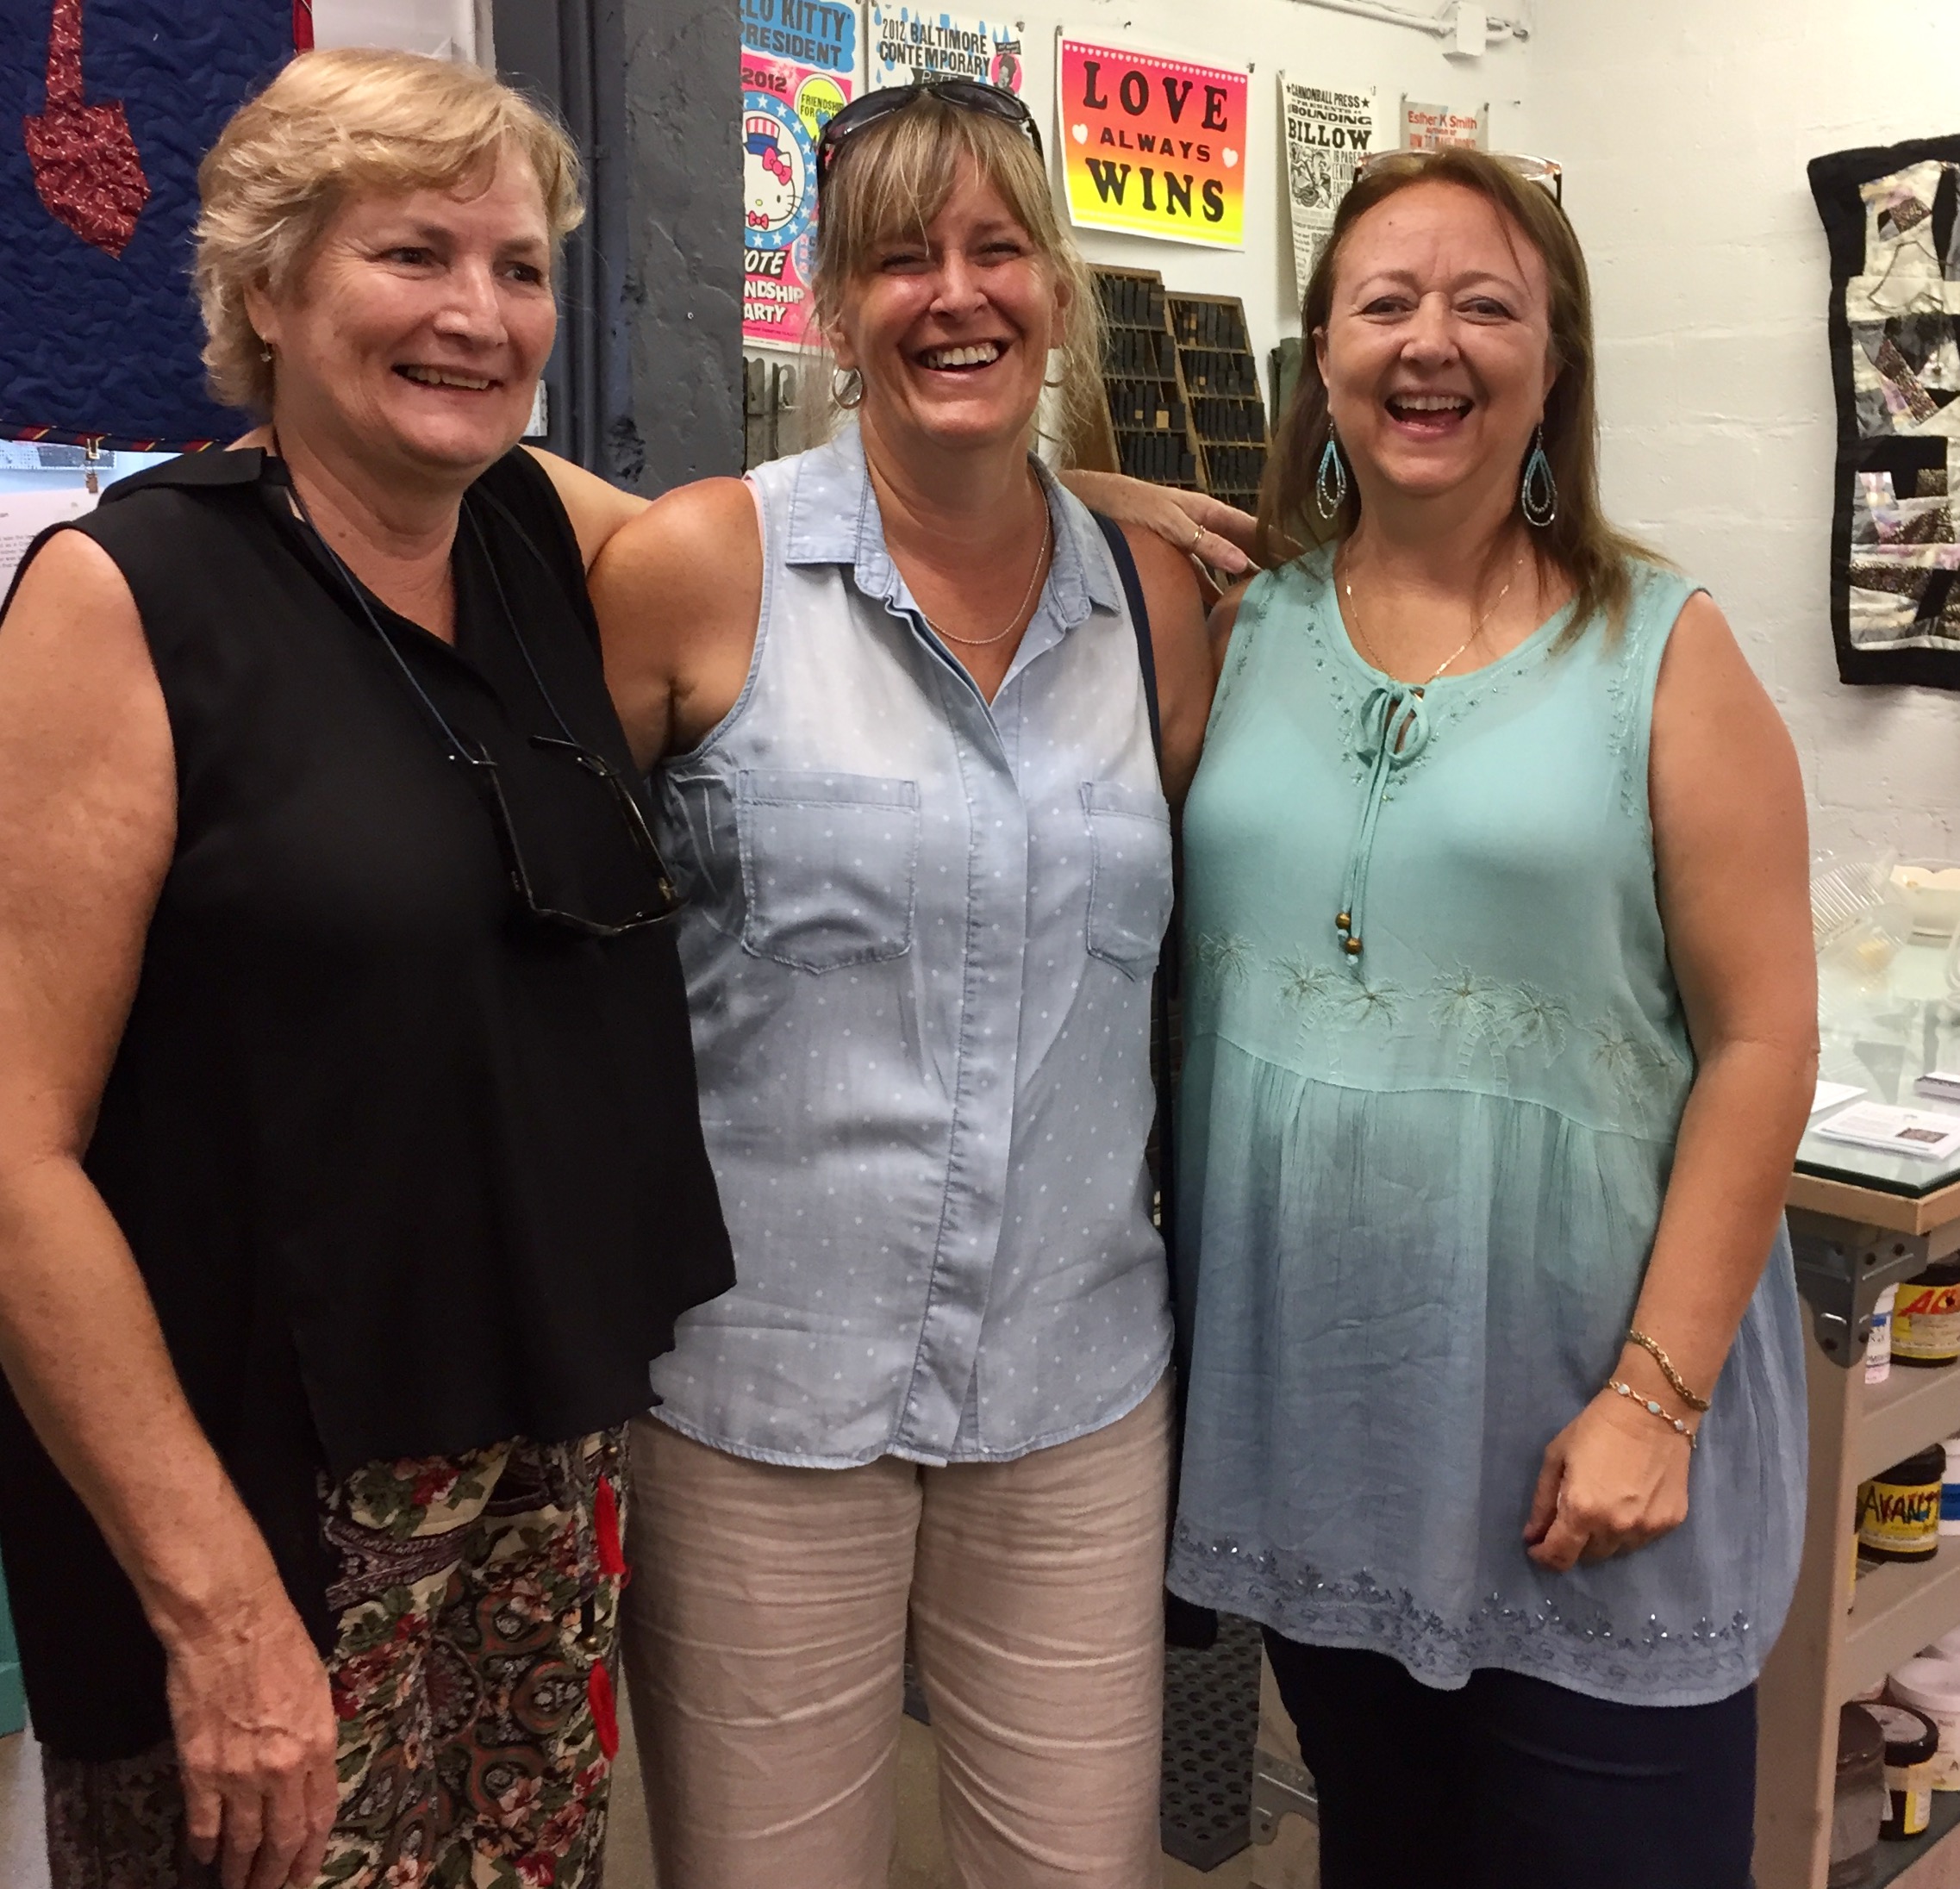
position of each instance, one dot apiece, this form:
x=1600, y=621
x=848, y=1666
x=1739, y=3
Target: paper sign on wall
x=1429, y=128
x=906, y=45
x=1152, y=146
x=1328, y=134
x=799, y=64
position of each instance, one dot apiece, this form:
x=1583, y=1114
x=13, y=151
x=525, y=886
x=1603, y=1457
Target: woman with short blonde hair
x=350, y=1165
x=333, y=127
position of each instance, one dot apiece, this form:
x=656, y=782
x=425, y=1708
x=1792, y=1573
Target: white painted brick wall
x=1685, y=127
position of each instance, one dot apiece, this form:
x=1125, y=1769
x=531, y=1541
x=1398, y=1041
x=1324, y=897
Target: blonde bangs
x=893, y=178
x=333, y=125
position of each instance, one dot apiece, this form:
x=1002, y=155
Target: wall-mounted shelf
x=1181, y=402
x=1145, y=427
x=1840, y=1640
x=1214, y=355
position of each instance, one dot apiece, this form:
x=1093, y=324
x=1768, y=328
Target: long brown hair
x=1580, y=543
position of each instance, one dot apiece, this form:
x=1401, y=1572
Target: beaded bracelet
x=1668, y=1371
x=1647, y=1403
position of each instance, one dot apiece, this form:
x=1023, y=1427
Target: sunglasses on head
x=964, y=94
x=1545, y=171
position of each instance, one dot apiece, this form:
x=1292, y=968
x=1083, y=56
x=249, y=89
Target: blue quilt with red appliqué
x=106, y=107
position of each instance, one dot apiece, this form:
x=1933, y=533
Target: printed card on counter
x=1942, y=1085
x=1899, y=1130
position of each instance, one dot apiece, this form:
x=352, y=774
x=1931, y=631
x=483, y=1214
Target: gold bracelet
x=1668, y=1371
x=1647, y=1403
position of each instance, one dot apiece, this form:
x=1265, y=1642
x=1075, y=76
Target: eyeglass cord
x=458, y=751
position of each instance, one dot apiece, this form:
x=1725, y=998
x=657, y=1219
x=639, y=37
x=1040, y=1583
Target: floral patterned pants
x=479, y=1604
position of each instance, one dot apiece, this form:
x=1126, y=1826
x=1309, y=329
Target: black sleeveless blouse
x=404, y=1174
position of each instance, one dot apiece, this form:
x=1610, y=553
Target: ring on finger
x=1197, y=538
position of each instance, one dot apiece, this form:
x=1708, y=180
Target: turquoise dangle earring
x=1537, y=491
x=1330, y=484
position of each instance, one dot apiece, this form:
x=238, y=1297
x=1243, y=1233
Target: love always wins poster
x=1152, y=146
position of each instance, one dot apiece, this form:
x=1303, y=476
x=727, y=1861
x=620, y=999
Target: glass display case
x=1879, y=1031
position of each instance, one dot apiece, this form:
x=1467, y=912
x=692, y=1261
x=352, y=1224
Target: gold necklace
x=1041, y=560
x=1367, y=648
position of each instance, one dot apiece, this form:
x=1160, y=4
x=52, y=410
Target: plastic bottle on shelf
x=1911, y=1741
x=1899, y=1508
x=1950, y=1489
x=1931, y=1686
x=1926, y=1318
x=1858, y=1803
x=1878, y=1346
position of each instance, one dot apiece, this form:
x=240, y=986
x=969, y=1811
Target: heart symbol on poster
x=1079, y=132
x=1231, y=160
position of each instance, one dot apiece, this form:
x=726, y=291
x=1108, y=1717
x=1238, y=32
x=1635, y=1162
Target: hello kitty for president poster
x=799, y=70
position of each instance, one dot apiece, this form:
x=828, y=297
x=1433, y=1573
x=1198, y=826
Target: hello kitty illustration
x=777, y=165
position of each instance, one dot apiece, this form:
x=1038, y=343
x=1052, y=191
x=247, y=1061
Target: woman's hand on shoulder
x=1193, y=523
x=1183, y=662
x=678, y=592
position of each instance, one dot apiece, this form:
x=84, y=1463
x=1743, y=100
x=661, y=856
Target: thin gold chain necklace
x=1040, y=562
x=1367, y=648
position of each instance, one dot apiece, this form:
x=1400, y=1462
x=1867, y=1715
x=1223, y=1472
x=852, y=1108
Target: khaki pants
x=765, y=1639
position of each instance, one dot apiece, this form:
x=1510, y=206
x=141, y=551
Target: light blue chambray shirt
x=919, y=952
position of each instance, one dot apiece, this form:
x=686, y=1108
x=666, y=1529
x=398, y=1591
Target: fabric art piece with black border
x=1890, y=214
x=106, y=108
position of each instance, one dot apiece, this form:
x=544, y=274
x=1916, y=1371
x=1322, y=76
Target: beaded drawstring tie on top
x=1395, y=723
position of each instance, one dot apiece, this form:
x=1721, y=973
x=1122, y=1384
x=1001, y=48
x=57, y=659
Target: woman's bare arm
x=1178, y=647
x=1731, y=860
x=1192, y=523
x=597, y=509
x=87, y=825
x=1219, y=627
x=678, y=591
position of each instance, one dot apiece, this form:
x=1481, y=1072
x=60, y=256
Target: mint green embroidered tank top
x=1419, y=1181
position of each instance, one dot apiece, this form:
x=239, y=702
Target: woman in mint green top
x=1499, y=1029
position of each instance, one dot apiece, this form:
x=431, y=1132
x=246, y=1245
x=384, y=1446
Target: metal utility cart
x=1860, y=1220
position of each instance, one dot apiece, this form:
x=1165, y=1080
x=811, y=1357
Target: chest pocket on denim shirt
x=828, y=866
x=1129, y=874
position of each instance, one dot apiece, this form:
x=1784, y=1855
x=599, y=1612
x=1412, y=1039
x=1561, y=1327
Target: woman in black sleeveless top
x=350, y=1166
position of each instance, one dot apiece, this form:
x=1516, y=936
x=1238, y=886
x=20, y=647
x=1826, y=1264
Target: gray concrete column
x=645, y=384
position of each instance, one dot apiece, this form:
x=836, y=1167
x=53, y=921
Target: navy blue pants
x=1515, y=1783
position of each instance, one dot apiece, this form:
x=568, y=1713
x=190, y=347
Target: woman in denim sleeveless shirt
x=1499, y=1035
x=909, y=785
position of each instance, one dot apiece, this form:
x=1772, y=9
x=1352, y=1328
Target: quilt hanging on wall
x=105, y=111
x=1890, y=214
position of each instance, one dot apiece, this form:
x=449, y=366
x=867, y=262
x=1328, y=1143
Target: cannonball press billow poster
x=1892, y=214
x=105, y=111
x=906, y=45
x=1150, y=146
x=799, y=69
x=1328, y=132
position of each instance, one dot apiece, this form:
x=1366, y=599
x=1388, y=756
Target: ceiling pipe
x=1441, y=28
